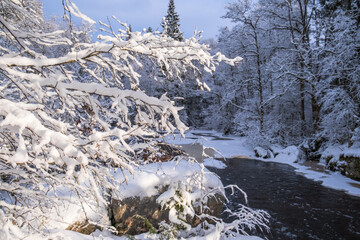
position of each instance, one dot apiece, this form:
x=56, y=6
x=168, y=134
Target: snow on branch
x=71, y=109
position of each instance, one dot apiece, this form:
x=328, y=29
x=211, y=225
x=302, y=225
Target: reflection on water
x=300, y=208
x=355, y=185
x=315, y=166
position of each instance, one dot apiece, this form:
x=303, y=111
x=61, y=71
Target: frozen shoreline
x=236, y=147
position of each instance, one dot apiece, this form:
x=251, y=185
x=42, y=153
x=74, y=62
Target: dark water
x=300, y=208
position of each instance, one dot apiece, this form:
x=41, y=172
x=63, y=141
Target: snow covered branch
x=71, y=110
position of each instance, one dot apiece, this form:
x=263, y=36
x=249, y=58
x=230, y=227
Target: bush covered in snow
x=72, y=113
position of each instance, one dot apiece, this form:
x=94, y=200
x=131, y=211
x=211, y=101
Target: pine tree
x=172, y=23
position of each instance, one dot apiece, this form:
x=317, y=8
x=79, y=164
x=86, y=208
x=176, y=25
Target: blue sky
x=201, y=14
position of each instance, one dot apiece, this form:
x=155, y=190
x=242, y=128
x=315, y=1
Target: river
x=300, y=208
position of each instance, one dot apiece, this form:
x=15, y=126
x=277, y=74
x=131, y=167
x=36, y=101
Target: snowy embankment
x=236, y=147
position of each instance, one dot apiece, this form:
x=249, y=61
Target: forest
x=298, y=82
x=83, y=121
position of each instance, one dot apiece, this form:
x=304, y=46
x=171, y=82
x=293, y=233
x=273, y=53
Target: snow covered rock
x=343, y=159
x=135, y=215
x=260, y=152
x=83, y=227
x=163, y=153
x=348, y=165
x=290, y=154
x=180, y=193
x=263, y=153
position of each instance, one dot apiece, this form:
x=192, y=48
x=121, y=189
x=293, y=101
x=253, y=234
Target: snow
x=182, y=175
x=60, y=234
x=261, y=151
x=210, y=162
x=336, y=150
x=334, y=180
x=148, y=179
x=233, y=147
x=106, y=235
x=288, y=155
x=73, y=9
x=236, y=147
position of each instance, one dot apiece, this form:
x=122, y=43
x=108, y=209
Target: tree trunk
x=259, y=77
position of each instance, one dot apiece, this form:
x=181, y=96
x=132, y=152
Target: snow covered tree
x=72, y=112
x=244, y=90
x=226, y=86
x=171, y=23
x=340, y=72
x=298, y=81
x=239, y=13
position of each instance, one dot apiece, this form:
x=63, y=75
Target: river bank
x=236, y=147
x=305, y=201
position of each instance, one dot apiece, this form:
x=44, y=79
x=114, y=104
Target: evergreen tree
x=171, y=24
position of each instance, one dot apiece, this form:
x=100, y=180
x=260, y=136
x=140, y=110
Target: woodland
x=78, y=115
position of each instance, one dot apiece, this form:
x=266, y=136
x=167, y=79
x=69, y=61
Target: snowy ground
x=236, y=147
x=105, y=235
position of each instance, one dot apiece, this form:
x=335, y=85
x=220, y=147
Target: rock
x=129, y=214
x=348, y=165
x=302, y=155
x=291, y=154
x=83, y=227
x=263, y=153
x=260, y=152
x=198, y=151
x=170, y=149
x=270, y=154
x=327, y=158
x=137, y=215
x=165, y=153
x=352, y=167
x=337, y=166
